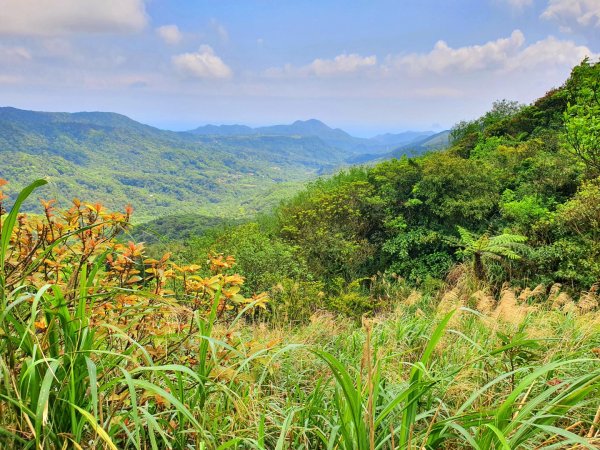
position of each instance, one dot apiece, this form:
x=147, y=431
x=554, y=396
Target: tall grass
x=410, y=379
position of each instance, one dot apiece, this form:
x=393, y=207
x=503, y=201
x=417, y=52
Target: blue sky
x=368, y=66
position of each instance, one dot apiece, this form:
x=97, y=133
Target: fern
x=505, y=245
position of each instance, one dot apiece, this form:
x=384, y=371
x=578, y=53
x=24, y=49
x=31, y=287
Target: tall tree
x=582, y=117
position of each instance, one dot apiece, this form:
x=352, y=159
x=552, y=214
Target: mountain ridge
x=114, y=159
x=313, y=127
x=111, y=158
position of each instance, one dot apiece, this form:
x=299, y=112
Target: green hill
x=113, y=159
x=223, y=171
x=518, y=174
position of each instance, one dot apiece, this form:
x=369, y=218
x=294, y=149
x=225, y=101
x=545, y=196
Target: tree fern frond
x=503, y=239
x=506, y=245
x=466, y=236
x=503, y=251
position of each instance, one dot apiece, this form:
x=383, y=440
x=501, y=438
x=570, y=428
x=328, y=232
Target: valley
x=377, y=226
x=225, y=171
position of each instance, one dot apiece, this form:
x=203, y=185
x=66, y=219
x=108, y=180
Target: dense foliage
x=520, y=180
x=449, y=301
x=103, y=347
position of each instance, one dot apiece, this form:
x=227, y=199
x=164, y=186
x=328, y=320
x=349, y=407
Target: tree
x=332, y=224
x=485, y=246
x=582, y=116
x=458, y=191
x=501, y=109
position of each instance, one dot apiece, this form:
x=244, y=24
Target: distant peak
x=309, y=122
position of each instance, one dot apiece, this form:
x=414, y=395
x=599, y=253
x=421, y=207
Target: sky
x=367, y=66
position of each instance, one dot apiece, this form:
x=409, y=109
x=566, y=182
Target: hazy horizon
x=356, y=131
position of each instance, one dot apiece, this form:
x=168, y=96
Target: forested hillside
x=116, y=160
x=517, y=194
x=119, y=161
x=446, y=301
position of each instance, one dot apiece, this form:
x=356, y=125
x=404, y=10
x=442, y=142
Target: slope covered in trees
x=389, y=307
x=529, y=172
x=118, y=161
x=210, y=171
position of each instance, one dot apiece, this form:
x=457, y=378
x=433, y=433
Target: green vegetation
x=488, y=247
x=512, y=192
x=115, y=160
x=118, y=161
x=448, y=301
x=582, y=117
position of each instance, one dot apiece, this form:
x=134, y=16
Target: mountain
x=113, y=159
x=227, y=171
x=404, y=138
x=224, y=130
x=311, y=127
x=335, y=137
x=435, y=141
x=301, y=128
x=419, y=145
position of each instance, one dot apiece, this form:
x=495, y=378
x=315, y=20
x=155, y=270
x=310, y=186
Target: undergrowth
x=102, y=347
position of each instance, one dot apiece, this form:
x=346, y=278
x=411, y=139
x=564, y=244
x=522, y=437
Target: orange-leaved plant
x=85, y=321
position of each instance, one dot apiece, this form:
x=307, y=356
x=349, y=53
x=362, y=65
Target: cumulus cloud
x=573, y=13
x=59, y=17
x=170, y=34
x=444, y=58
x=202, y=64
x=499, y=55
x=343, y=64
x=550, y=52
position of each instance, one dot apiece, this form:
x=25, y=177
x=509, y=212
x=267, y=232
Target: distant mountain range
x=418, y=146
x=333, y=136
x=227, y=170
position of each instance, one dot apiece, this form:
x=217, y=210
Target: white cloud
x=444, y=58
x=548, y=53
x=202, y=64
x=343, y=64
x=58, y=17
x=574, y=13
x=170, y=34
x=500, y=55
